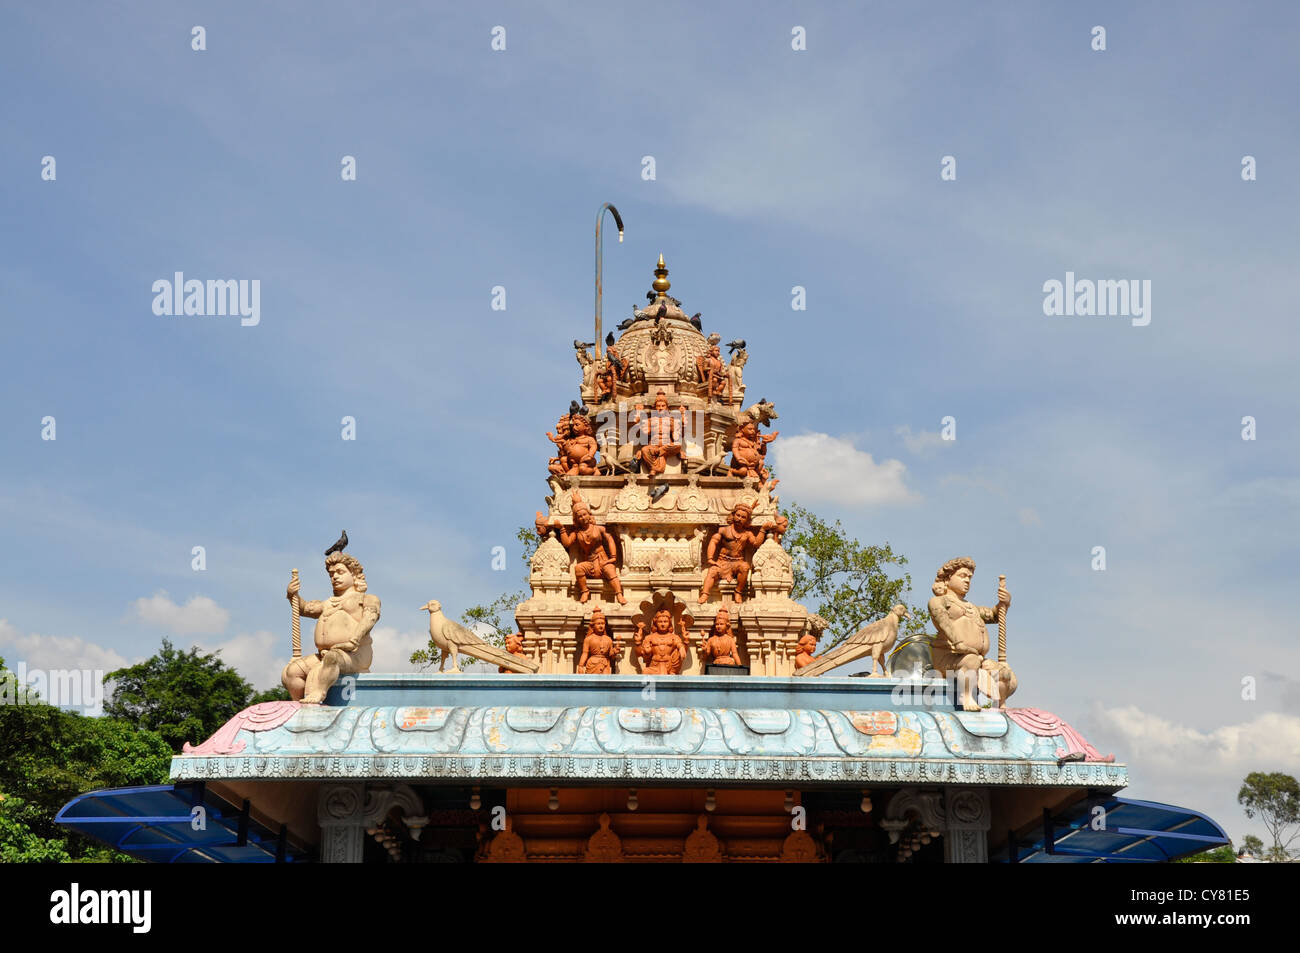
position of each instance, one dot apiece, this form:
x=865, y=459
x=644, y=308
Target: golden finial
x=661, y=282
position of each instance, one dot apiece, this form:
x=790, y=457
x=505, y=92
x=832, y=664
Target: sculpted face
x=959, y=581
x=341, y=577
x=583, y=517
x=741, y=516
x=721, y=622
x=663, y=621
x=661, y=402
x=598, y=623
x=581, y=426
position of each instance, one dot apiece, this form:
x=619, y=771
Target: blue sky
x=774, y=168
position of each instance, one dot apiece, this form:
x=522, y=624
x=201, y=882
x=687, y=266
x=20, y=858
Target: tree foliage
x=183, y=696
x=1275, y=798
x=843, y=581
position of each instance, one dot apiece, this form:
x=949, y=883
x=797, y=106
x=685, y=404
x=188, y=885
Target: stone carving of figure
x=962, y=640
x=719, y=646
x=749, y=451
x=343, y=624
x=712, y=373
x=515, y=646
x=577, y=447
x=663, y=649
x=732, y=547
x=588, y=371
x=659, y=435
x=590, y=544
x=805, y=650
x=604, y=381
x=736, y=373
x=600, y=653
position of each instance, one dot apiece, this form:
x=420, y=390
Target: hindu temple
x=662, y=697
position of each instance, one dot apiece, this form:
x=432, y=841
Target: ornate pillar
x=966, y=837
x=344, y=811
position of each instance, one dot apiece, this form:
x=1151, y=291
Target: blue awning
x=1130, y=832
x=158, y=823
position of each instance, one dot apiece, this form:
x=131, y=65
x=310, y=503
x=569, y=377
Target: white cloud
x=393, y=648
x=198, y=616
x=259, y=657
x=53, y=652
x=817, y=466
x=1269, y=742
x=922, y=442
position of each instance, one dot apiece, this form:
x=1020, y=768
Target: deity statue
x=590, y=544
x=749, y=451
x=600, y=652
x=663, y=650
x=659, y=435
x=732, y=546
x=604, y=381
x=719, y=647
x=805, y=649
x=577, y=447
x=344, y=621
x=588, y=370
x=712, y=372
x=515, y=646
x=962, y=640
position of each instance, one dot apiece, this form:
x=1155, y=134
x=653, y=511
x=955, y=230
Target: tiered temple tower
x=662, y=450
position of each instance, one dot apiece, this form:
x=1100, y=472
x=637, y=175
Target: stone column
x=341, y=813
x=966, y=836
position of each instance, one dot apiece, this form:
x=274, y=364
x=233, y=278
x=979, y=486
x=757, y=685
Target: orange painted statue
x=515, y=646
x=719, y=646
x=732, y=546
x=577, y=447
x=749, y=451
x=712, y=372
x=604, y=380
x=590, y=544
x=805, y=650
x=600, y=653
x=659, y=434
x=662, y=650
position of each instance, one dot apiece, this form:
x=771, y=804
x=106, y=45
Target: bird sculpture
x=454, y=640
x=875, y=640
x=695, y=320
x=339, y=545
x=736, y=345
x=582, y=345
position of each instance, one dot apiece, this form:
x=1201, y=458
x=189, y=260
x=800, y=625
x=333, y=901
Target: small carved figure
x=749, y=451
x=577, y=446
x=804, y=651
x=736, y=374
x=603, y=380
x=764, y=412
x=663, y=649
x=588, y=371
x=515, y=646
x=962, y=640
x=732, y=546
x=719, y=646
x=344, y=621
x=590, y=544
x=712, y=374
x=600, y=653
x=875, y=639
x=659, y=435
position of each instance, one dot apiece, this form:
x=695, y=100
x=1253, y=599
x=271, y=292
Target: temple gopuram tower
x=664, y=452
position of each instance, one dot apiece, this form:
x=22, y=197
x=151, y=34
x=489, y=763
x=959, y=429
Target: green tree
x=183, y=696
x=1275, y=798
x=1217, y=855
x=1252, y=845
x=850, y=584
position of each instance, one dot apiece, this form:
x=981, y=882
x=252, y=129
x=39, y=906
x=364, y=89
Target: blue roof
x=156, y=823
x=1130, y=832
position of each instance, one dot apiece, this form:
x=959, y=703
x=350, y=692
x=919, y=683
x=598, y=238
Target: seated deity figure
x=344, y=621
x=962, y=640
x=749, y=451
x=590, y=544
x=577, y=447
x=732, y=546
x=662, y=650
x=604, y=381
x=600, y=653
x=659, y=435
x=719, y=646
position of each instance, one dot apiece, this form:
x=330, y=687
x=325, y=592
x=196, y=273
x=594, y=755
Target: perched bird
x=454, y=639
x=577, y=408
x=580, y=345
x=340, y=545
x=650, y=295
x=657, y=492
x=875, y=640
x=735, y=345
x=628, y=322
x=609, y=339
x=695, y=320
x=663, y=310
